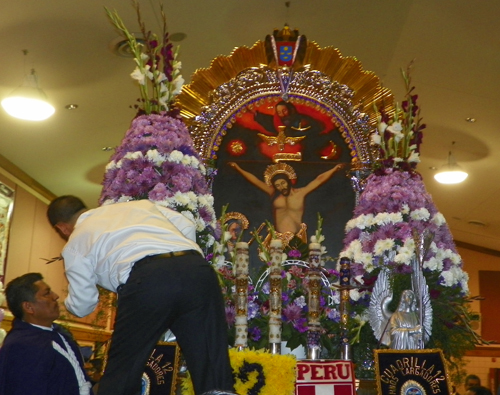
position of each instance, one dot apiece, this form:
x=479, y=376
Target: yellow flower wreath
x=275, y=372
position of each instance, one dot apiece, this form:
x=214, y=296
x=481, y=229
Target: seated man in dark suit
x=39, y=357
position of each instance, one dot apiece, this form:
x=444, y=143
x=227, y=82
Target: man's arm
x=253, y=179
x=83, y=295
x=322, y=178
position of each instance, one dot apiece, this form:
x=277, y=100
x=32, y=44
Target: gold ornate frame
x=331, y=83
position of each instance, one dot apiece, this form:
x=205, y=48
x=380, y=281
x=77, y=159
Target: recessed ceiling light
x=107, y=148
x=120, y=47
x=71, y=106
x=470, y=119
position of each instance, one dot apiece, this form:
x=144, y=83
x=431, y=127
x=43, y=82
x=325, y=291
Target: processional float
x=291, y=135
x=287, y=106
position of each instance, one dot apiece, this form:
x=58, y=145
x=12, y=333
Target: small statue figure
x=405, y=329
x=410, y=326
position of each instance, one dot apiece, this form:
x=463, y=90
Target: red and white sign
x=325, y=377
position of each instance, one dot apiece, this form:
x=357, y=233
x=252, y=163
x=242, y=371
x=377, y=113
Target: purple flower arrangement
x=156, y=160
x=392, y=208
x=294, y=308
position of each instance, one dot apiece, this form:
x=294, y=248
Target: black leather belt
x=172, y=254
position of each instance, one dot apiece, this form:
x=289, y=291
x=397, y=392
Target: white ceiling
x=455, y=44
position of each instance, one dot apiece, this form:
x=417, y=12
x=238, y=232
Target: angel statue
x=409, y=327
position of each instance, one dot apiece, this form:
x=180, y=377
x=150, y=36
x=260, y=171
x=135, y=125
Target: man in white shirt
x=148, y=255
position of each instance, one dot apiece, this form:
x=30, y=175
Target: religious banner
x=411, y=372
x=6, y=206
x=160, y=374
x=324, y=377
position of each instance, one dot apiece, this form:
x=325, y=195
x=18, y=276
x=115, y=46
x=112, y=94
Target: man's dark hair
x=480, y=390
x=281, y=176
x=21, y=289
x=63, y=208
x=472, y=377
x=291, y=108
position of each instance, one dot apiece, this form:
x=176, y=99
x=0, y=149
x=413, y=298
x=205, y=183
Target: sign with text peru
x=324, y=377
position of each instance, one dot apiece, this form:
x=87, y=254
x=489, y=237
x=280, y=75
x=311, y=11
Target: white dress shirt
x=108, y=240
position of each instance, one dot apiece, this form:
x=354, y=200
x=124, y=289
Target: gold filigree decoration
x=337, y=85
x=234, y=215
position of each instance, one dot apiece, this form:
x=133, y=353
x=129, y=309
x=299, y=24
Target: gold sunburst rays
x=368, y=91
x=328, y=81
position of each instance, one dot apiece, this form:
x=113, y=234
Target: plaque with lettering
x=411, y=372
x=160, y=374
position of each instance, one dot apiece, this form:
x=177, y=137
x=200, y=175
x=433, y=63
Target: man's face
x=234, y=230
x=472, y=383
x=282, y=111
x=282, y=186
x=44, y=309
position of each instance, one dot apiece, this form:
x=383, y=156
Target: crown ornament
x=279, y=168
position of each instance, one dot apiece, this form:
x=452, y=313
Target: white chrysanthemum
x=110, y=166
x=405, y=209
x=176, y=156
x=452, y=276
x=133, y=155
x=186, y=160
x=420, y=214
x=354, y=295
x=439, y=219
x=195, y=162
x=387, y=218
x=404, y=256
x=455, y=259
x=202, y=201
x=154, y=156
x=353, y=248
x=192, y=196
x=203, y=169
x=181, y=198
x=434, y=264
x=364, y=258
x=382, y=246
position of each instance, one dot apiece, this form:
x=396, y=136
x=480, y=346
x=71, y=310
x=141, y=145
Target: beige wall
x=32, y=239
x=485, y=358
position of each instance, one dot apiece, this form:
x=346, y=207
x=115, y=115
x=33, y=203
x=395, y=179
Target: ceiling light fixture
x=29, y=101
x=451, y=172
